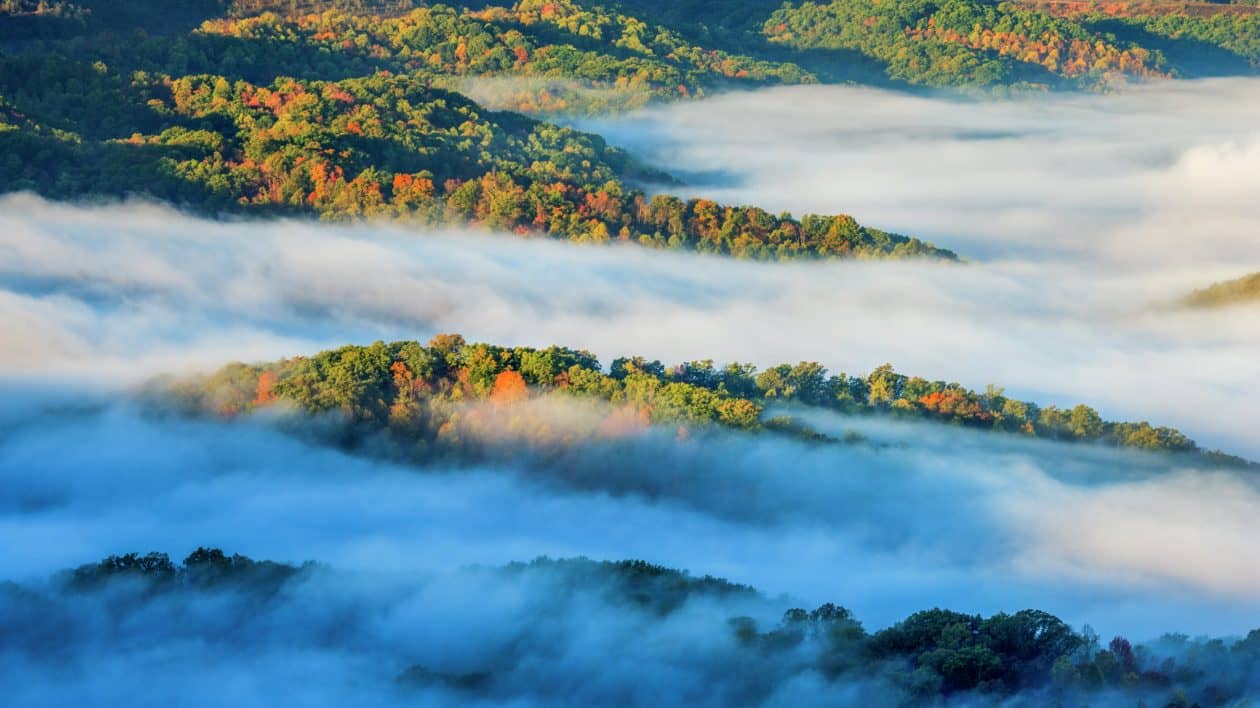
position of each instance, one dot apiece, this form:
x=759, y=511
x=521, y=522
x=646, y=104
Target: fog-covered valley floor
x=1085, y=220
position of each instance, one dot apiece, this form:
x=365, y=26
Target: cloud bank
x=1089, y=216
x=1159, y=175
x=118, y=294
x=930, y=516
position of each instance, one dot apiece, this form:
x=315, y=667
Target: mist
x=925, y=516
x=1085, y=220
x=113, y=295
x=1155, y=177
x=328, y=637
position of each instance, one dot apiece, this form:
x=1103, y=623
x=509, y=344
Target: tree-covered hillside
x=115, y=611
x=420, y=394
x=1198, y=38
x=681, y=49
x=989, y=44
x=353, y=108
x=1230, y=292
x=316, y=116
x=966, y=43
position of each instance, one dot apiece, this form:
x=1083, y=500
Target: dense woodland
x=1028, y=655
x=1198, y=38
x=1230, y=292
x=114, y=116
x=419, y=395
x=680, y=49
x=353, y=109
x=966, y=42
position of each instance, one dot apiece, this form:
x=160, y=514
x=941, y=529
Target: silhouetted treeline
x=232, y=604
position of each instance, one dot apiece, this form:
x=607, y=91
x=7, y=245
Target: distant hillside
x=1229, y=292
x=343, y=116
x=677, y=49
x=1196, y=38
x=740, y=646
x=349, y=109
x=416, y=395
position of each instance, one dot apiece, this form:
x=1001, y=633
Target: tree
x=1085, y=422
x=509, y=387
x=885, y=385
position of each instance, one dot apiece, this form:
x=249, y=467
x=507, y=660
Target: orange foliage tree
x=263, y=393
x=509, y=387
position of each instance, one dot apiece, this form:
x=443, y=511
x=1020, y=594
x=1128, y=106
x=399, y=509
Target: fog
x=117, y=294
x=1085, y=220
x=926, y=516
x=1158, y=176
x=532, y=636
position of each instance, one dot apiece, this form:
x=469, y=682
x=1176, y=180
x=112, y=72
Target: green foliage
x=1198, y=39
x=379, y=146
x=932, y=656
x=965, y=43
x=586, y=44
x=994, y=655
x=409, y=389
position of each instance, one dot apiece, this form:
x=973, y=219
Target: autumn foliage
x=264, y=393
x=509, y=387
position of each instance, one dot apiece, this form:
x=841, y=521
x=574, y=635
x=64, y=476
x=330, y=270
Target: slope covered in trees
x=379, y=146
x=967, y=43
x=351, y=108
x=251, y=608
x=211, y=121
x=643, y=49
x=976, y=43
x=558, y=40
x=419, y=393
x=1230, y=292
x=1200, y=39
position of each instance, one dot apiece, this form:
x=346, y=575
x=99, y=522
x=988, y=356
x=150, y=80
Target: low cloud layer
x=333, y=638
x=1088, y=220
x=931, y=516
x=1159, y=175
x=118, y=294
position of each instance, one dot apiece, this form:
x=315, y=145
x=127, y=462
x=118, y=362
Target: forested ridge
x=1229, y=292
x=113, y=116
x=1199, y=38
x=929, y=655
x=967, y=42
x=353, y=109
x=419, y=395
x=681, y=49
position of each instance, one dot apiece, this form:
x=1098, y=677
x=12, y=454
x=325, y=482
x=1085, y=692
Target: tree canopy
x=420, y=393
x=928, y=656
